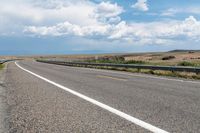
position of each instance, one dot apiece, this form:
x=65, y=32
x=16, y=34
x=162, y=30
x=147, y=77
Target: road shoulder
x=3, y=103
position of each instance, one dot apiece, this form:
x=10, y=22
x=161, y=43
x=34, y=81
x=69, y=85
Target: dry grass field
x=177, y=58
x=173, y=58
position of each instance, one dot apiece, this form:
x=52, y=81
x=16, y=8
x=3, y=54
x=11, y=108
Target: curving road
x=35, y=105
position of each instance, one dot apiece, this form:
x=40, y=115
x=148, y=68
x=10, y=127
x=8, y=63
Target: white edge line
x=104, y=106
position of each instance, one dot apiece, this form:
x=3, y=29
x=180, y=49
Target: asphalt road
x=35, y=105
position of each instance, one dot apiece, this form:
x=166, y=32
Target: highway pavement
x=51, y=98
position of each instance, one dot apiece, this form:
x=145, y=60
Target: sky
x=39, y=27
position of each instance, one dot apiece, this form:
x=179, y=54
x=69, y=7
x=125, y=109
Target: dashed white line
x=102, y=105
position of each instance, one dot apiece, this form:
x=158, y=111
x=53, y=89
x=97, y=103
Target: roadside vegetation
x=164, y=61
x=161, y=63
x=186, y=63
x=116, y=60
x=153, y=72
x=174, y=58
x=1, y=66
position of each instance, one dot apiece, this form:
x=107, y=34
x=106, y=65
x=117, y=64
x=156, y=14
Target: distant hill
x=182, y=50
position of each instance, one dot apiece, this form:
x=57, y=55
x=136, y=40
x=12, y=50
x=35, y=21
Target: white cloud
x=45, y=13
x=37, y=12
x=114, y=20
x=67, y=28
x=84, y=18
x=106, y=9
x=107, y=12
x=169, y=12
x=157, y=32
x=143, y=33
x=174, y=11
x=141, y=5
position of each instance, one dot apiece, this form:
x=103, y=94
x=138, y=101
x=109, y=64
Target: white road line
x=104, y=106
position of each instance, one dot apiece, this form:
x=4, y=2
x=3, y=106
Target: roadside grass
x=187, y=63
x=159, y=63
x=1, y=66
x=187, y=75
x=116, y=61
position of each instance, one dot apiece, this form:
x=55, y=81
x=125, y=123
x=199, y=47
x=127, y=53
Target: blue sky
x=29, y=27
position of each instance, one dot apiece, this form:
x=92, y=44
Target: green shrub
x=116, y=61
x=185, y=63
x=168, y=57
x=134, y=62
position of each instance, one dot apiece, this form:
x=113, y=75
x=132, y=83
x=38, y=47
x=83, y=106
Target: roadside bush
x=168, y=57
x=185, y=63
x=190, y=52
x=116, y=60
x=134, y=62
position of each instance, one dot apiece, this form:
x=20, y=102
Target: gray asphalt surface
x=37, y=106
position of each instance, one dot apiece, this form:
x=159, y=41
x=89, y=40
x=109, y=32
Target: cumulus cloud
x=154, y=31
x=141, y=5
x=108, y=12
x=67, y=28
x=38, y=12
x=143, y=33
x=51, y=12
x=107, y=9
x=83, y=18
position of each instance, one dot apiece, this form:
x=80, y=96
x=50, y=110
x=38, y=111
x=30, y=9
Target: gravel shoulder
x=3, y=102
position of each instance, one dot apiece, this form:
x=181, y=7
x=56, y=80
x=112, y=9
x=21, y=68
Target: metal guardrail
x=165, y=68
x=4, y=61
